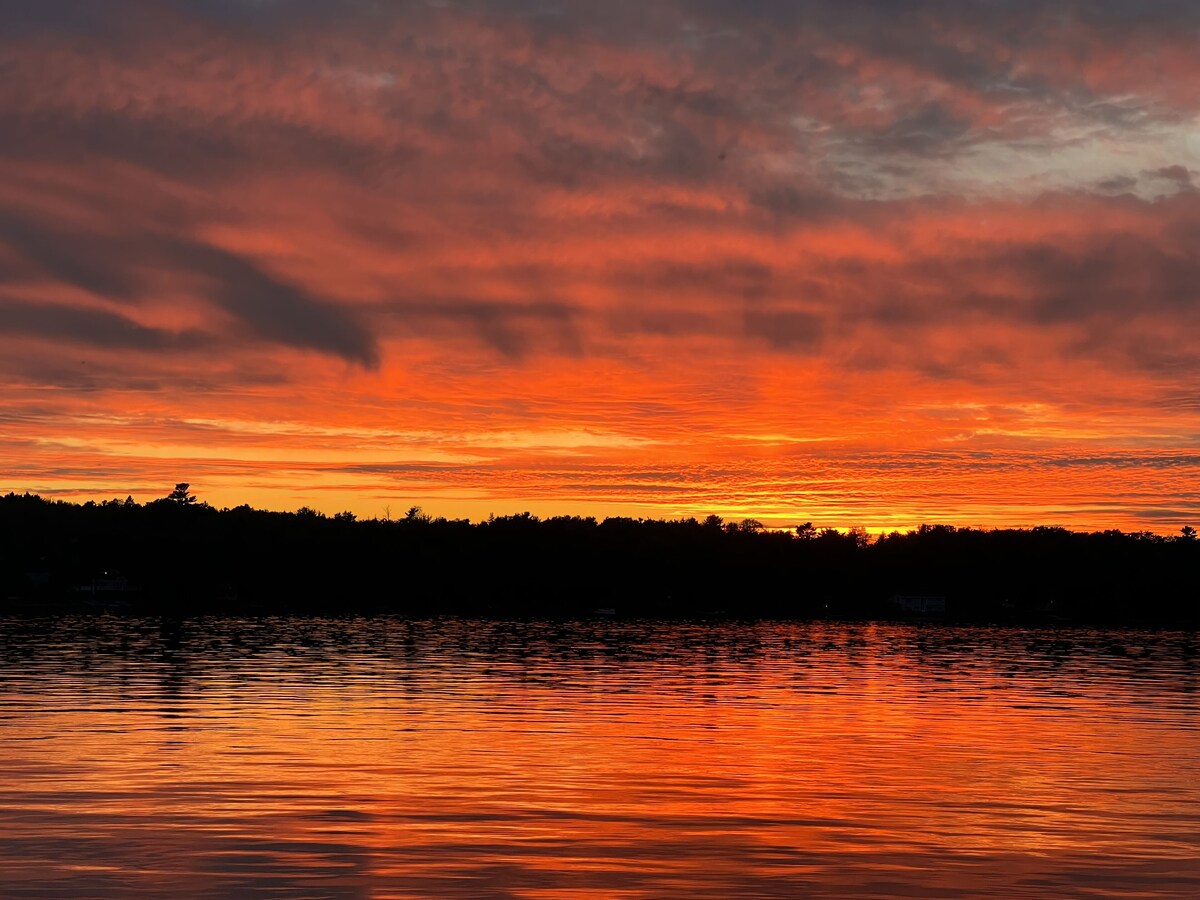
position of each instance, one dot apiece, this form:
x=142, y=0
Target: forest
x=178, y=556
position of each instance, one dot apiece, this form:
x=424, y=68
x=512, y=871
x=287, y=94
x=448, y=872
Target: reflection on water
x=380, y=757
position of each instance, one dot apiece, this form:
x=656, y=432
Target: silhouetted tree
x=250, y=559
x=180, y=495
x=859, y=535
x=416, y=516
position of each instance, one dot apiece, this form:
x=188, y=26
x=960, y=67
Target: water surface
x=390, y=758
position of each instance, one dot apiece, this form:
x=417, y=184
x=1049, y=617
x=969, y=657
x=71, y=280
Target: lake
x=382, y=757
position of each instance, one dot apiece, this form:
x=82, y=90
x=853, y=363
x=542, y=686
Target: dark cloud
x=931, y=130
x=195, y=147
x=661, y=322
x=732, y=278
x=1184, y=402
x=1115, y=275
x=799, y=203
x=91, y=327
x=86, y=261
x=1129, y=461
x=110, y=266
x=276, y=310
x=1003, y=18
x=1122, y=15
x=512, y=329
x=22, y=20
x=297, y=13
x=786, y=330
x=1184, y=512
x=1124, y=275
x=670, y=150
x=1119, y=184
x=135, y=18
x=1180, y=175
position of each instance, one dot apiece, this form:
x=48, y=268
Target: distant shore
x=177, y=556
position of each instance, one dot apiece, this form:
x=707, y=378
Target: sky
x=857, y=263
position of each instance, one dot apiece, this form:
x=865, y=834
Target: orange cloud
x=879, y=271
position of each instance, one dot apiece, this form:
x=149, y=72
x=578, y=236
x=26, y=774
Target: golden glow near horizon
x=725, y=261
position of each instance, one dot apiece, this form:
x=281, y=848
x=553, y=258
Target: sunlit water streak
x=388, y=758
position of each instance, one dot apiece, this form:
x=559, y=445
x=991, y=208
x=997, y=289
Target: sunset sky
x=861, y=263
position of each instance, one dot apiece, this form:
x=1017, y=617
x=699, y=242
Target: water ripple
x=453, y=758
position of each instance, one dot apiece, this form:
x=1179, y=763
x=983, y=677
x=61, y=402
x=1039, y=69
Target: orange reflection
x=551, y=759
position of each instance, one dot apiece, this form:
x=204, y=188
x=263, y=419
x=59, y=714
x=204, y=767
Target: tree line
x=177, y=555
